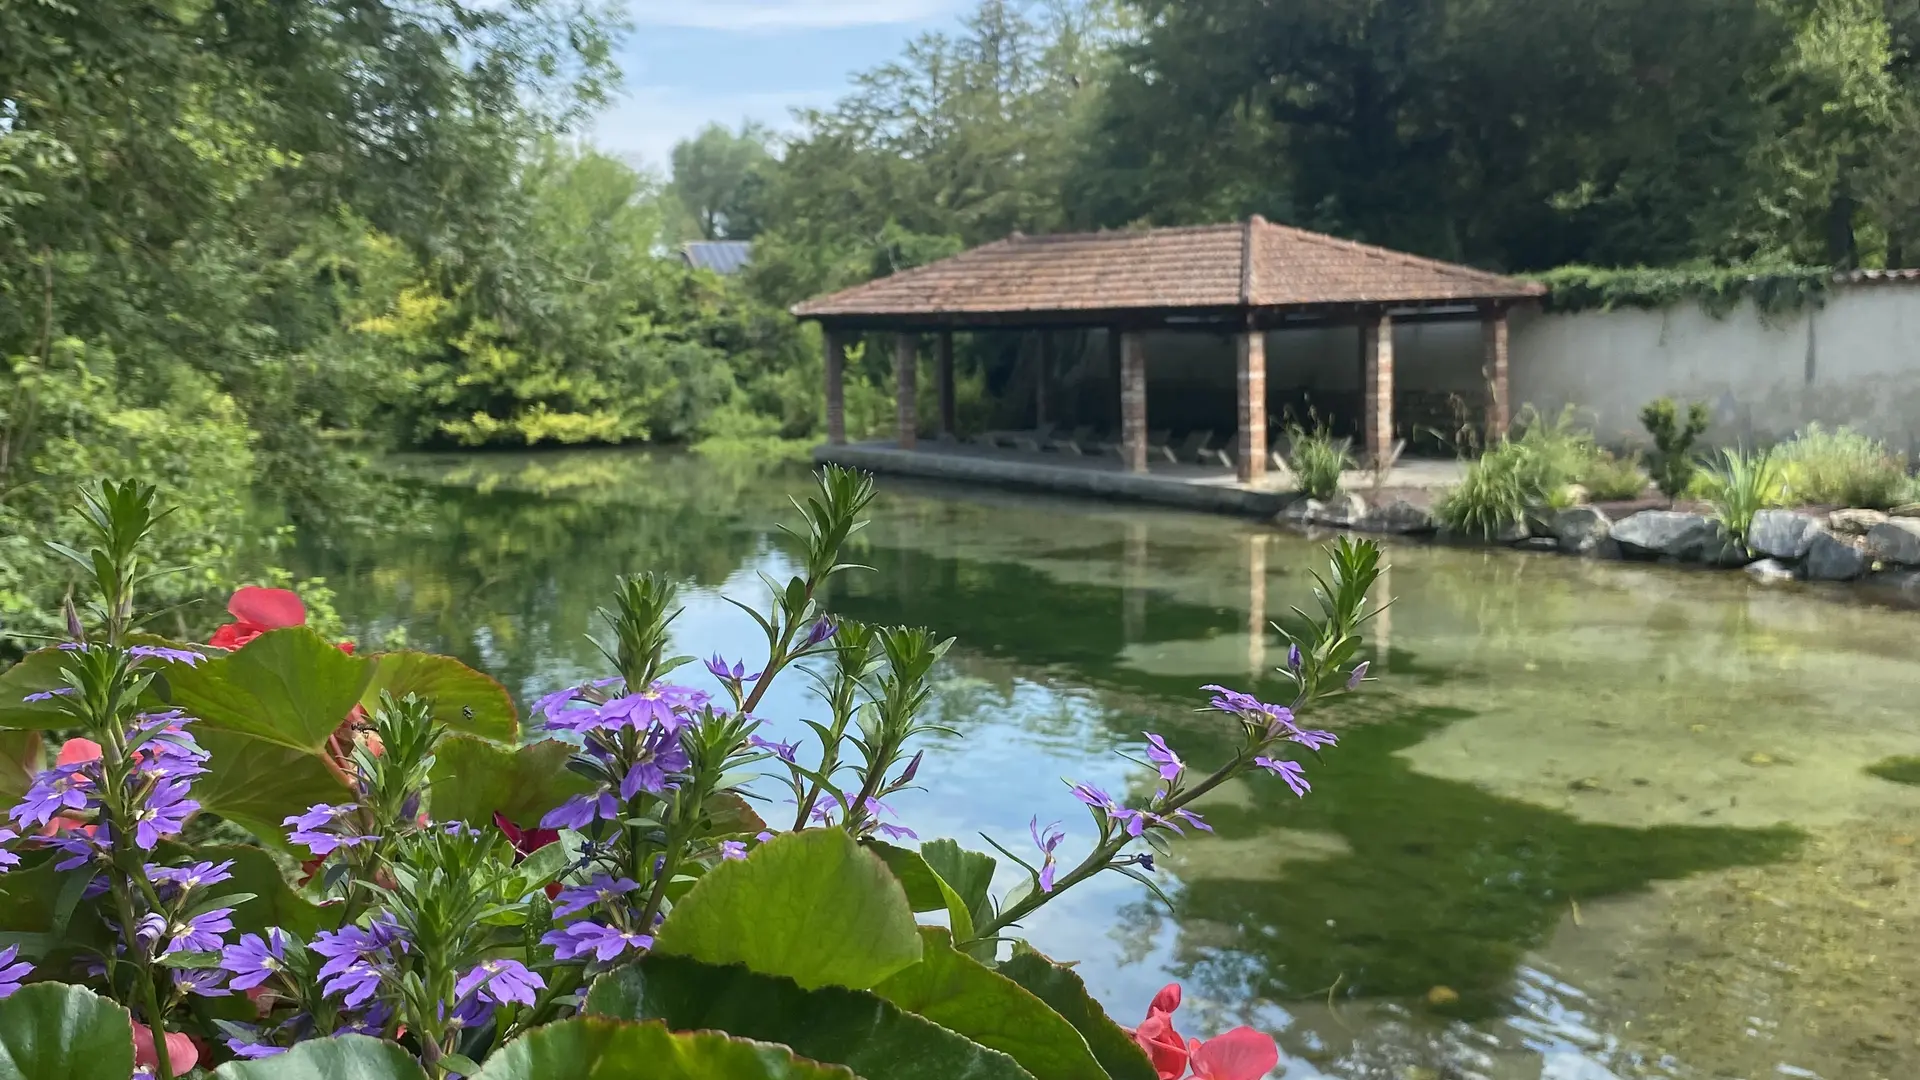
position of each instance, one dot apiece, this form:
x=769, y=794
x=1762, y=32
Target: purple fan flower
x=736, y=673
x=8, y=859
x=912, y=770
x=54, y=791
x=1290, y=771
x=253, y=959
x=321, y=831
x=604, y=942
x=351, y=952
x=191, y=877
x=1145, y=859
x=200, y=933
x=659, y=705
x=253, y=1051
x=1232, y=701
x=49, y=695
x=174, y=656
x=165, y=814
x=1359, y=674
x=201, y=983
x=580, y=811
x=1293, y=657
x=818, y=632
x=1187, y=816
x=1312, y=739
x=660, y=754
x=1158, y=752
x=1046, y=841
x=601, y=890
x=81, y=847
x=733, y=849
x=501, y=982
x=784, y=751
x=1093, y=797
x=11, y=973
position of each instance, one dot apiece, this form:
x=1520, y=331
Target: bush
x=1317, y=459
x=1673, y=439
x=1842, y=467
x=1531, y=470
x=1491, y=498
x=1613, y=479
x=1743, y=485
x=489, y=906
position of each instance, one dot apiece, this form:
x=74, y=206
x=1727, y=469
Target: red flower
x=527, y=841
x=256, y=611
x=1164, y=1046
x=180, y=1050
x=1240, y=1054
x=78, y=752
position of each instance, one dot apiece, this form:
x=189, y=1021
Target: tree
x=718, y=176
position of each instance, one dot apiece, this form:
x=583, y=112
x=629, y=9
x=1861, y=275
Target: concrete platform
x=1211, y=489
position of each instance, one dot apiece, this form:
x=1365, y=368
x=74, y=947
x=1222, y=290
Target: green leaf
x=343, y=1057
x=473, y=777
x=29, y=913
x=874, y=1038
x=256, y=783
x=926, y=890
x=52, y=1031
x=968, y=873
x=961, y=994
x=812, y=906
x=37, y=671
x=275, y=902
x=617, y=1050
x=1065, y=994
x=291, y=687
x=20, y=758
x=465, y=700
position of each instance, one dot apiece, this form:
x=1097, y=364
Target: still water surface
x=1594, y=820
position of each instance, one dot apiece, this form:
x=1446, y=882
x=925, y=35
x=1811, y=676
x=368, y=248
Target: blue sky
x=690, y=62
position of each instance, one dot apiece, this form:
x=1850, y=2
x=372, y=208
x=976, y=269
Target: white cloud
x=645, y=122
x=784, y=14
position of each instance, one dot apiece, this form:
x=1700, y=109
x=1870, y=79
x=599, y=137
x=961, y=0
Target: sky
x=692, y=62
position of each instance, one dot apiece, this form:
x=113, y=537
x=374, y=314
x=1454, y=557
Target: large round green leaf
x=291, y=687
x=869, y=1035
x=926, y=890
x=52, y=1031
x=20, y=758
x=962, y=994
x=968, y=873
x=812, y=906
x=472, y=778
x=36, y=672
x=257, y=783
x=1065, y=994
x=463, y=699
x=344, y=1057
x=275, y=901
x=614, y=1050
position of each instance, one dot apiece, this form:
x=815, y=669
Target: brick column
x=1044, y=366
x=836, y=394
x=1250, y=378
x=944, y=377
x=1376, y=395
x=1493, y=333
x=906, y=365
x=1256, y=606
x=1115, y=366
x=1133, y=401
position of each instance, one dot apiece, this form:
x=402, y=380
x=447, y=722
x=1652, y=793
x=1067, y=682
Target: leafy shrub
x=1491, y=498
x=1842, y=467
x=1614, y=479
x=1673, y=439
x=1317, y=459
x=1531, y=470
x=489, y=906
x=1743, y=485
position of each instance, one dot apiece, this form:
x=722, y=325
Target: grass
x=1613, y=479
x=1843, y=467
x=1317, y=459
x=1533, y=469
x=1741, y=486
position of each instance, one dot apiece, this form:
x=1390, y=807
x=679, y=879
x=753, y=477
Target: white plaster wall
x=1855, y=361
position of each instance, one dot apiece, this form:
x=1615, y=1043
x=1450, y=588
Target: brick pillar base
x=836, y=393
x=1493, y=332
x=1133, y=401
x=1250, y=378
x=1376, y=403
x=906, y=366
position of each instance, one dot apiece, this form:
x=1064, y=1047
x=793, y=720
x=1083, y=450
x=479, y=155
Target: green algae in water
x=1901, y=770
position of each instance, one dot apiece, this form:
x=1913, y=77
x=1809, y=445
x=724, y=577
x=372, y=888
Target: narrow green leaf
x=616, y=1050
x=52, y=1031
x=874, y=1038
x=473, y=777
x=811, y=906
x=961, y=994
x=1065, y=994
x=467, y=701
x=343, y=1057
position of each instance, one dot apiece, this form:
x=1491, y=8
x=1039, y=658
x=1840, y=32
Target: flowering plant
x=424, y=892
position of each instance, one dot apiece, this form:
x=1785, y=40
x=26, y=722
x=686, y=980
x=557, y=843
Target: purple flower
x=11, y=973
x=174, y=656
x=253, y=960
x=1187, y=816
x=912, y=770
x=601, y=890
x=49, y=695
x=321, y=831
x=1170, y=764
x=1359, y=674
x=659, y=755
x=736, y=673
x=165, y=814
x=818, y=632
x=351, y=953
x=253, y=1051
x=1145, y=859
x=604, y=942
x=1046, y=841
x=190, y=877
x=54, y=791
x=1093, y=797
x=1311, y=738
x=580, y=811
x=81, y=847
x=1293, y=657
x=501, y=982
x=199, y=933
x=659, y=705
x=733, y=849
x=1232, y=701
x=784, y=751
x=202, y=983
x=7, y=858
x=1290, y=771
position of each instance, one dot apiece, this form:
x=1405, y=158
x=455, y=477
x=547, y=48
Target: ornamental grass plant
x=1842, y=467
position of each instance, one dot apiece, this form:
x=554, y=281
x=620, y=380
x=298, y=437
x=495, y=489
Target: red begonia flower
x=255, y=611
x=180, y=1050
x=1240, y=1054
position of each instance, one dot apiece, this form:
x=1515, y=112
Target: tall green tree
x=718, y=177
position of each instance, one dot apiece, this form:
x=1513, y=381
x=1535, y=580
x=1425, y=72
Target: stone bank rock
x=1770, y=570
x=1831, y=558
x=1301, y=512
x=1669, y=533
x=1538, y=543
x=1782, y=534
x=1343, y=511
x=1580, y=530
x=1398, y=517
x=1854, y=522
x=1896, y=540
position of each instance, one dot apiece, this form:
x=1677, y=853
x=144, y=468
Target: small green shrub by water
x=1741, y=486
x=1491, y=498
x=1842, y=467
x=1614, y=479
x=1532, y=469
x=1316, y=458
x=1673, y=439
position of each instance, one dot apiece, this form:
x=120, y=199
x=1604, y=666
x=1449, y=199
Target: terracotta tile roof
x=1249, y=264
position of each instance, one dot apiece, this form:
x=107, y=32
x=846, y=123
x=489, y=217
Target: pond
x=1594, y=820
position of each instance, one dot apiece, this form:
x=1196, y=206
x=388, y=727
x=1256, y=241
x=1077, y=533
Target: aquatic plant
x=1741, y=486
x=475, y=903
x=1842, y=467
x=1673, y=438
x=1316, y=458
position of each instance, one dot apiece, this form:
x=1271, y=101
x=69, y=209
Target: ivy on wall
x=1775, y=291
